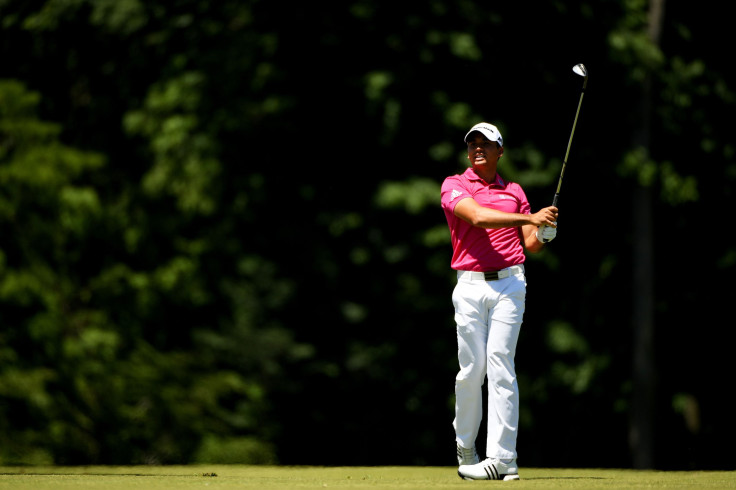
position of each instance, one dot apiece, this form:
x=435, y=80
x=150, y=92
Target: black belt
x=492, y=275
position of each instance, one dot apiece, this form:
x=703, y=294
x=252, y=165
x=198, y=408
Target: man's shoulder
x=453, y=178
x=454, y=187
x=455, y=181
x=464, y=176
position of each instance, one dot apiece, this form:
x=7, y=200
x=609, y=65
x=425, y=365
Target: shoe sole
x=505, y=477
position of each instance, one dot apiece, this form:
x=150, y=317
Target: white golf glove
x=546, y=234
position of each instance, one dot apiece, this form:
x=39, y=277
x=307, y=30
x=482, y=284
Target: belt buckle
x=495, y=275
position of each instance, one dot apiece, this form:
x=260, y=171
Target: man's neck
x=485, y=173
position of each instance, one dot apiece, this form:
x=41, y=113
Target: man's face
x=481, y=151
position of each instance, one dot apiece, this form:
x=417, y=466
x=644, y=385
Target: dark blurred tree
x=261, y=261
x=147, y=316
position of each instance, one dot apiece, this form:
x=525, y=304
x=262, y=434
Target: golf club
x=579, y=69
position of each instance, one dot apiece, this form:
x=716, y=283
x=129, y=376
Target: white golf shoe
x=489, y=469
x=466, y=456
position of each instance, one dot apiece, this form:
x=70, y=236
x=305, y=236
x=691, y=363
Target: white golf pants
x=488, y=316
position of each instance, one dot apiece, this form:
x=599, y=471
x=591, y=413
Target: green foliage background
x=221, y=241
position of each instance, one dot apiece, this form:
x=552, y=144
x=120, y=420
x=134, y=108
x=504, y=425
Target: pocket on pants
x=512, y=303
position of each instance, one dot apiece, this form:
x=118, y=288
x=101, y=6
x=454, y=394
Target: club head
x=580, y=70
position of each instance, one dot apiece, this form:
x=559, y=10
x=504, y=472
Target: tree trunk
x=641, y=434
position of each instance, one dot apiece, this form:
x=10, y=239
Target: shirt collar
x=471, y=175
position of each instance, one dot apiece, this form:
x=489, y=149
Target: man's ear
x=500, y=151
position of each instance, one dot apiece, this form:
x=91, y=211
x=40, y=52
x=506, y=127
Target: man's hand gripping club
x=548, y=225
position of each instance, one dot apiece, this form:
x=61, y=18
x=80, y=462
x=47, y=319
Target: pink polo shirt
x=481, y=249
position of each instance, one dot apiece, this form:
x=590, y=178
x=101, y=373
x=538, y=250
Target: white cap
x=490, y=131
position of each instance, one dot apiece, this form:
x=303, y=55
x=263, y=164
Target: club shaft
x=574, y=124
x=569, y=144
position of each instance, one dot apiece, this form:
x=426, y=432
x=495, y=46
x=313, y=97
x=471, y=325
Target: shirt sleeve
x=453, y=191
x=524, y=206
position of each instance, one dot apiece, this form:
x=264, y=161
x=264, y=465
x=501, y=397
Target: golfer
x=491, y=225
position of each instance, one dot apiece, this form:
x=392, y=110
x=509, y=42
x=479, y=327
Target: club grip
x=556, y=198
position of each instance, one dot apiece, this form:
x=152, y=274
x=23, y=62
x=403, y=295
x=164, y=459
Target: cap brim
x=488, y=135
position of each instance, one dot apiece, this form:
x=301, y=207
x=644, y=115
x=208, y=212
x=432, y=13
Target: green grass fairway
x=306, y=477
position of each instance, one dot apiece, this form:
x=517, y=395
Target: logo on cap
x=488, y=130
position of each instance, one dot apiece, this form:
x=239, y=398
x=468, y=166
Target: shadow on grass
x=565, y=478
x=199, y=475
